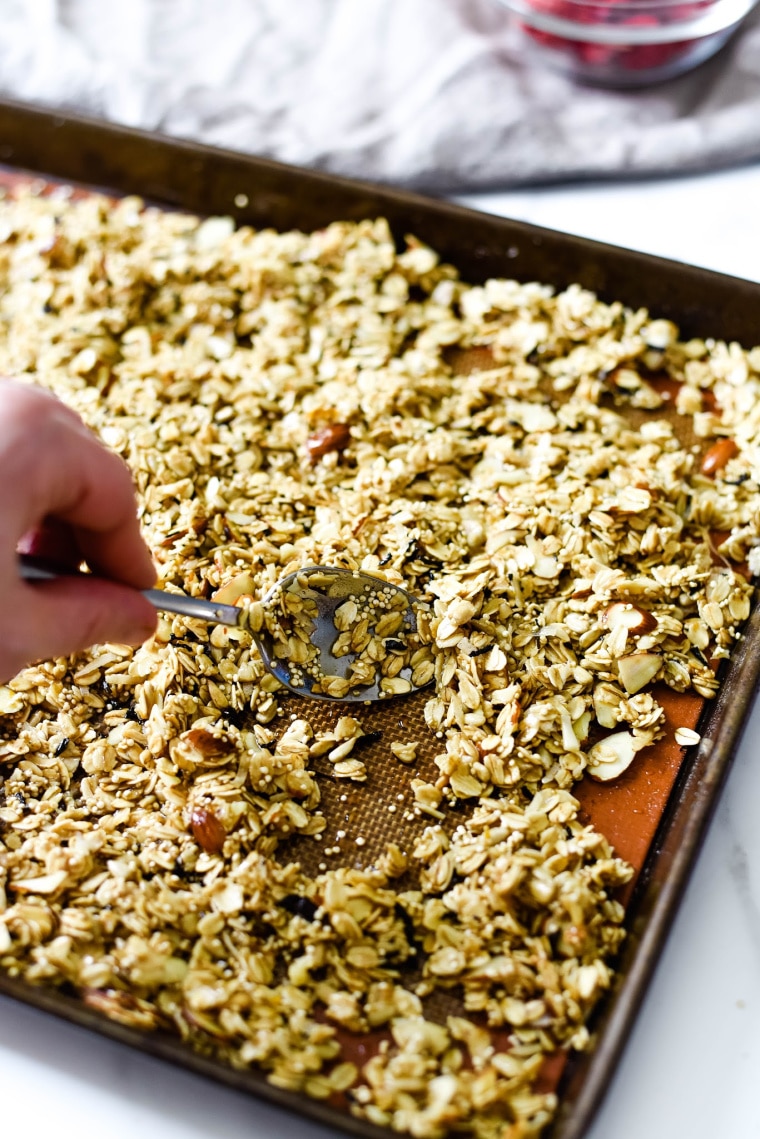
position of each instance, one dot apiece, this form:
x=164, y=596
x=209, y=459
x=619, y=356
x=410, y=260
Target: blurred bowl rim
x=715, y=17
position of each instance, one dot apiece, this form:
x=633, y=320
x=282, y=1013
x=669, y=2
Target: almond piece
x=46, y=884
x=717, y=456
x=207, y=830
x=687, y=737
x=333, y=437
x=606, y=703
x=207, y=744
x=237, y=587
x=611, y=756
x=637, y=670
x=581, y=726
x=636, y=621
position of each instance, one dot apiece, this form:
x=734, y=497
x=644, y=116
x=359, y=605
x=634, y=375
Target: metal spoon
x=300, y=620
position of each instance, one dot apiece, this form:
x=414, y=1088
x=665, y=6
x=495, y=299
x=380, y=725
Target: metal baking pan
x=665, y=839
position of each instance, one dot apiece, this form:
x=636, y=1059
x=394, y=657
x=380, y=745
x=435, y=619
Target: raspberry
x=608, y=61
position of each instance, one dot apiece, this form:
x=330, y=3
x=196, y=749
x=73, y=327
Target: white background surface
x=691, y=1068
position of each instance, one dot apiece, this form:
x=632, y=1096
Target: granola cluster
x=502, y=452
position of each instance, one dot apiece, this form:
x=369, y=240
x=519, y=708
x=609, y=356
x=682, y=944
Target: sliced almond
x=581, y=726
x=623, y=614
x=544, y=565
x=611, y=756
x=238, y=586
x=46, y=884
x=606, y=703
x=637, y=670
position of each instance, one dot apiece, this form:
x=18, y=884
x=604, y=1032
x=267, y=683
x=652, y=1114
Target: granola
x=290, y=399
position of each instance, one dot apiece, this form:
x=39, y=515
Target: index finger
x=53, y=466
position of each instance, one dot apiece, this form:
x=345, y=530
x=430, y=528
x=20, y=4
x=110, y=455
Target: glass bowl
x=626, y=43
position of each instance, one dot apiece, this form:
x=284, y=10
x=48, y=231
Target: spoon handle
x=35, y=569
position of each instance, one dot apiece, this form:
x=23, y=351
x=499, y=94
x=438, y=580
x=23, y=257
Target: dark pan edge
x=205, y=180
x=669, y=863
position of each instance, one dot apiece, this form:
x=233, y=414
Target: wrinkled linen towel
x=432, y=94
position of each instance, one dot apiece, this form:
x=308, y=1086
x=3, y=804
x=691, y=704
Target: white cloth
x=427, y=93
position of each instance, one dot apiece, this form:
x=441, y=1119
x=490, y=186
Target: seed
x=686, y=737
x=333, y=437
x=717, y=456
x=207, y=830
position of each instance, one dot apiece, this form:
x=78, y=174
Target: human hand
x=62, y=493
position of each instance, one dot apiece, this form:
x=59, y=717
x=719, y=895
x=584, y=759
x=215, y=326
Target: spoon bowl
x=337, y=634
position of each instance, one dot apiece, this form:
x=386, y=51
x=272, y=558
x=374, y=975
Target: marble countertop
x=692, y=1062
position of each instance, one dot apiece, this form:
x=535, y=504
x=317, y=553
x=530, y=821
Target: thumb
x=57, y=618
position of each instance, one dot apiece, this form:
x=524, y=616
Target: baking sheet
x=668, y=826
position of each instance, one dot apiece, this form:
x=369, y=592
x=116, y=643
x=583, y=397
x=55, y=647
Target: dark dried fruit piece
x=333, y=437
x=207, y=830
x=300, y=907
x=718, y=455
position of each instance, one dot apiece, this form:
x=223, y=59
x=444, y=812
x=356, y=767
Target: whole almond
x=207, y=830
x=333, y=437
x=717, y=456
